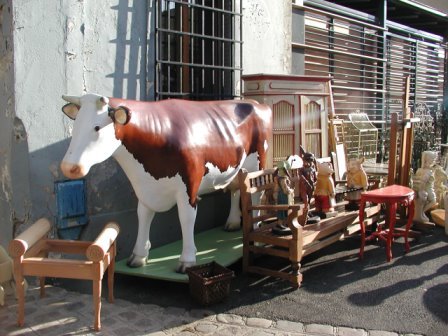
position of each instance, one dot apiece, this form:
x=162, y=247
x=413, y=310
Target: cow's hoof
x=135, y=261
x=230, y=227
x=182, y=267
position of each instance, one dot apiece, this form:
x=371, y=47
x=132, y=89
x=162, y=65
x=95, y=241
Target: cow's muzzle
x=72, y=171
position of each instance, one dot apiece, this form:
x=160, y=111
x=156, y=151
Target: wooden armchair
x=261, y=239
x=30, y=254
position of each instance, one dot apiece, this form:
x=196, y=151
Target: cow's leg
x=142, y=245
x=233, y=222
x=187, y=218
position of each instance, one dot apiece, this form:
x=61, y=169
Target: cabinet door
x=314, y=120
x=285, y=132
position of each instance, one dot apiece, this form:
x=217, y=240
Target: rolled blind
x=351, y=52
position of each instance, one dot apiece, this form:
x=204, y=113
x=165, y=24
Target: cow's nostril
x=72, y=170
x=75, y=170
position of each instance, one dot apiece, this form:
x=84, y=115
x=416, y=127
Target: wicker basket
x=209, y=283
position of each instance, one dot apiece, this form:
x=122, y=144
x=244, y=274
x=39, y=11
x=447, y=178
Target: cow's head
x=93, y=136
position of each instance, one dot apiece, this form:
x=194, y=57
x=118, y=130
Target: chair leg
x=97, y=303
x=296, y=276
x=20, y=291
x=42, y=286
x=110, y=282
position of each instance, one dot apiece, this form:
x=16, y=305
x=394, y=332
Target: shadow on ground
x=406, y=295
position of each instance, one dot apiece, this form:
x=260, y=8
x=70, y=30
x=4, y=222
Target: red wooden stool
x=390, y=196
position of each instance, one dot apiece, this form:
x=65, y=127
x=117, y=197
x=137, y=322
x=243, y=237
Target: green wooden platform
x=213, y=245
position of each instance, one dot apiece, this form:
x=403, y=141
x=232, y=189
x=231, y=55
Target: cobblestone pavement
x=62, y=312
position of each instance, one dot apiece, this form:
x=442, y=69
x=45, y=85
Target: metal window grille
x=198, y=49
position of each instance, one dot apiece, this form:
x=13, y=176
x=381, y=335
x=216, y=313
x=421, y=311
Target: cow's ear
x=120, y=115
x=70, y=110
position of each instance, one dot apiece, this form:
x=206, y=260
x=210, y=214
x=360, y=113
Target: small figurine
x=7, y=283
x=308, y=176
x=357, y=180
x=283, y=194
x=440, y=184
x=324, y=195
x=296, y=163
x=423, y=184
x=307, y=182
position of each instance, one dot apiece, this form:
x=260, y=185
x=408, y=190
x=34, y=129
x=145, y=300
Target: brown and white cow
x=172, y=151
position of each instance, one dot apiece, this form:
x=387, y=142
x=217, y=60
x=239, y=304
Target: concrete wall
x=76, y=46
x=6, y=120
x=63, y=47
x=267, y=36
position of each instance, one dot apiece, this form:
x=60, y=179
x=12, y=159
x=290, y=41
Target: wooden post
x=406, y=139
x=392, y=167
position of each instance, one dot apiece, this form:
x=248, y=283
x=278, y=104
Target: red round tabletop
x=393, y=191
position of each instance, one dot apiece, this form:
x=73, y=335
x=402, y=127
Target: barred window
x=198, y=49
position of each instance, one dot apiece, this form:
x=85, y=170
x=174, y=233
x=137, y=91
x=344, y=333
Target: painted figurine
x=307, y=182
x=296, y=163
x=357, y=180
x=324, y=195
x=440, y=184
x=423, y=184
x=308, y=176
x=283, y=194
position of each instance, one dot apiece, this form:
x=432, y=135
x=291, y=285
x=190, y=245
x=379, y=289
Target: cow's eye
x=97, y=128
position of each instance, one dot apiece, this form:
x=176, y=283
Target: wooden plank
x=322, y=243
x=59, y=268
x=270, y=251
x=68, y=246
x=323, y=229
x=215, y=244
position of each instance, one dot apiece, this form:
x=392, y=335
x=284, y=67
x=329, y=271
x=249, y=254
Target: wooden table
x=390, y=196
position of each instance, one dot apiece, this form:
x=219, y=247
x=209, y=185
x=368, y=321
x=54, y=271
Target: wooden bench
x=30, y=254
x=305, y=239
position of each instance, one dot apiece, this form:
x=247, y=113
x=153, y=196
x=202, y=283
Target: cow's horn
x=72, y=99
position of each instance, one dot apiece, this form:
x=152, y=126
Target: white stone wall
x=267, y=36
x=70, y=46
x=6, y=120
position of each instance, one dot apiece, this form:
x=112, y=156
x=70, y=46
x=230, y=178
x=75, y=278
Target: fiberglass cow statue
x=172, y=151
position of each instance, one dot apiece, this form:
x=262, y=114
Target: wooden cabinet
x=300, y=106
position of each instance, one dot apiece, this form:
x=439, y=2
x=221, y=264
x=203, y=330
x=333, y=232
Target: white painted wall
x=267, y=36
x=73, y=47
x=6, y=120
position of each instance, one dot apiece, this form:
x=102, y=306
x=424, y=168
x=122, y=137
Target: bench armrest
x=98, y=249
x=21, y=244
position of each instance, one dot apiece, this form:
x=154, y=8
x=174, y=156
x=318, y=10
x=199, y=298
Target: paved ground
x=340, y=295
x=70, y=313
